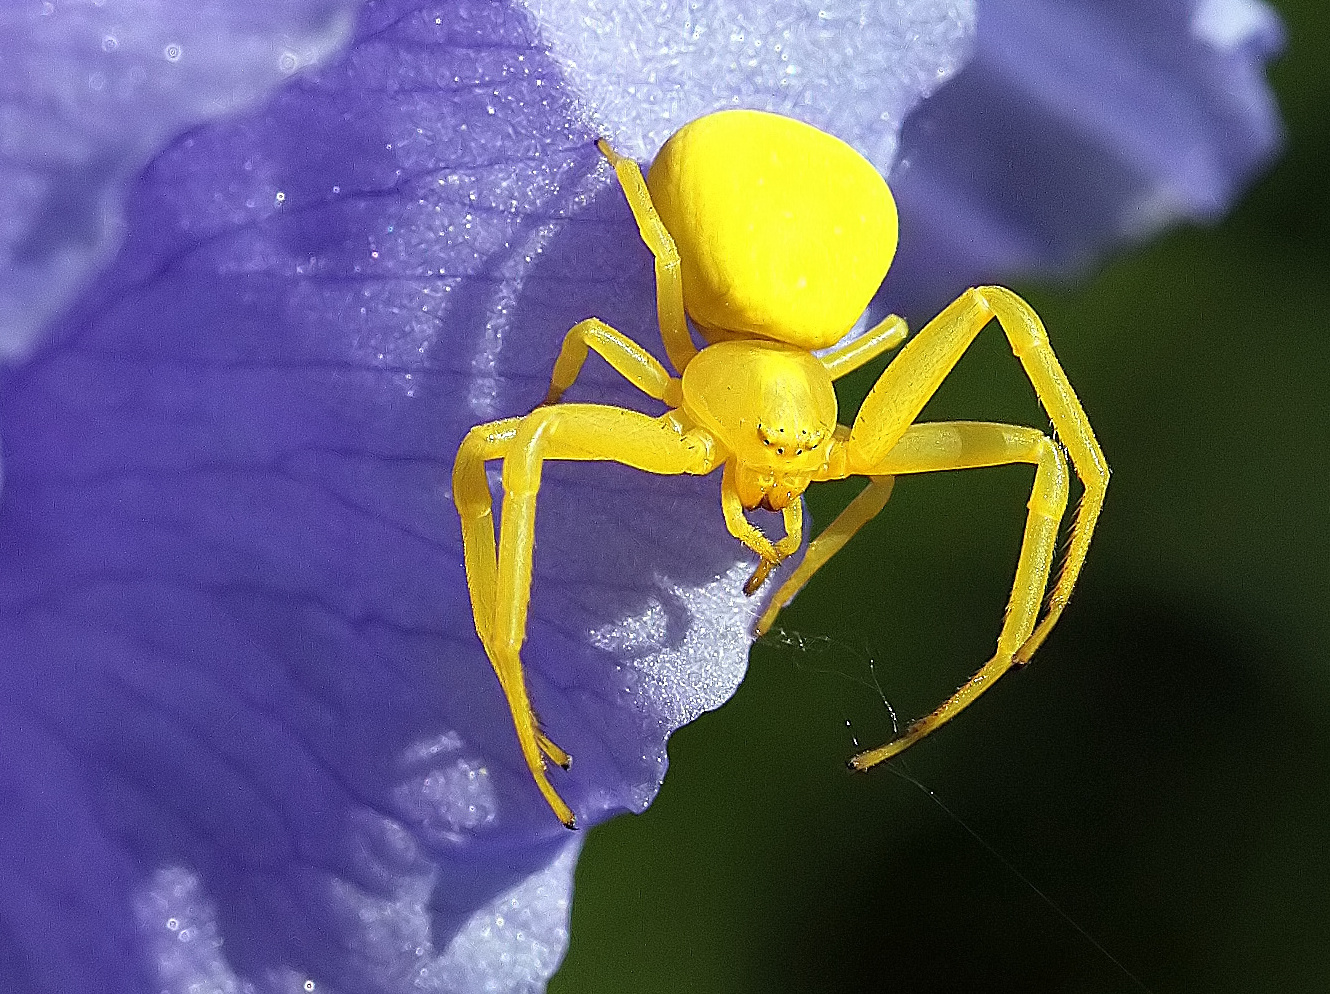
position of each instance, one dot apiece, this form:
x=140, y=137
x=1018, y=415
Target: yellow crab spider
x=772, y=236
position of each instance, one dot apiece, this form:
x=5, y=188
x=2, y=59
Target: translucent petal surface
x=1078, y=126
x=90, y=89
x=851, y=67
x=250, y=741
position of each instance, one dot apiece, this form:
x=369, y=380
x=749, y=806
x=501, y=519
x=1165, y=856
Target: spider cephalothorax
x=772, y=406
x=773, y=236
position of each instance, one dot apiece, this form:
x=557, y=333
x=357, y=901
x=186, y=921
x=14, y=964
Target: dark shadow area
x=1148, y=786
x=1159, y=772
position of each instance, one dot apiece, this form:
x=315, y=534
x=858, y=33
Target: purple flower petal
x=1078, y=126
x=855, y=68
x=249, y=739
x=90, y=91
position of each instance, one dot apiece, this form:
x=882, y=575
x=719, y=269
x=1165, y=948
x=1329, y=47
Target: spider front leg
x=928, y=448
x=885, y=419
x=471, y=494
x=500, y=579
x=915, y=374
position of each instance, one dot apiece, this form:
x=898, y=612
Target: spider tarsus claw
x=872, y=757
x=561, y=810
x=764, y=624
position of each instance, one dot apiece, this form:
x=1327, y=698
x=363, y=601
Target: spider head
x=778, y=468
x=773, y=407
x=792, y=440
x=768, y=488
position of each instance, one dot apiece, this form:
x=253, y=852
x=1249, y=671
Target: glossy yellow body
x=770, y=404
x=772, y=236
x=783, y=231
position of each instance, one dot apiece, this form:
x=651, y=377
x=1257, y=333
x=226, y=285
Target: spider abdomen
x=783, y=231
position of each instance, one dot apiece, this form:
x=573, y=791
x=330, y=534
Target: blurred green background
x=1161, y=772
